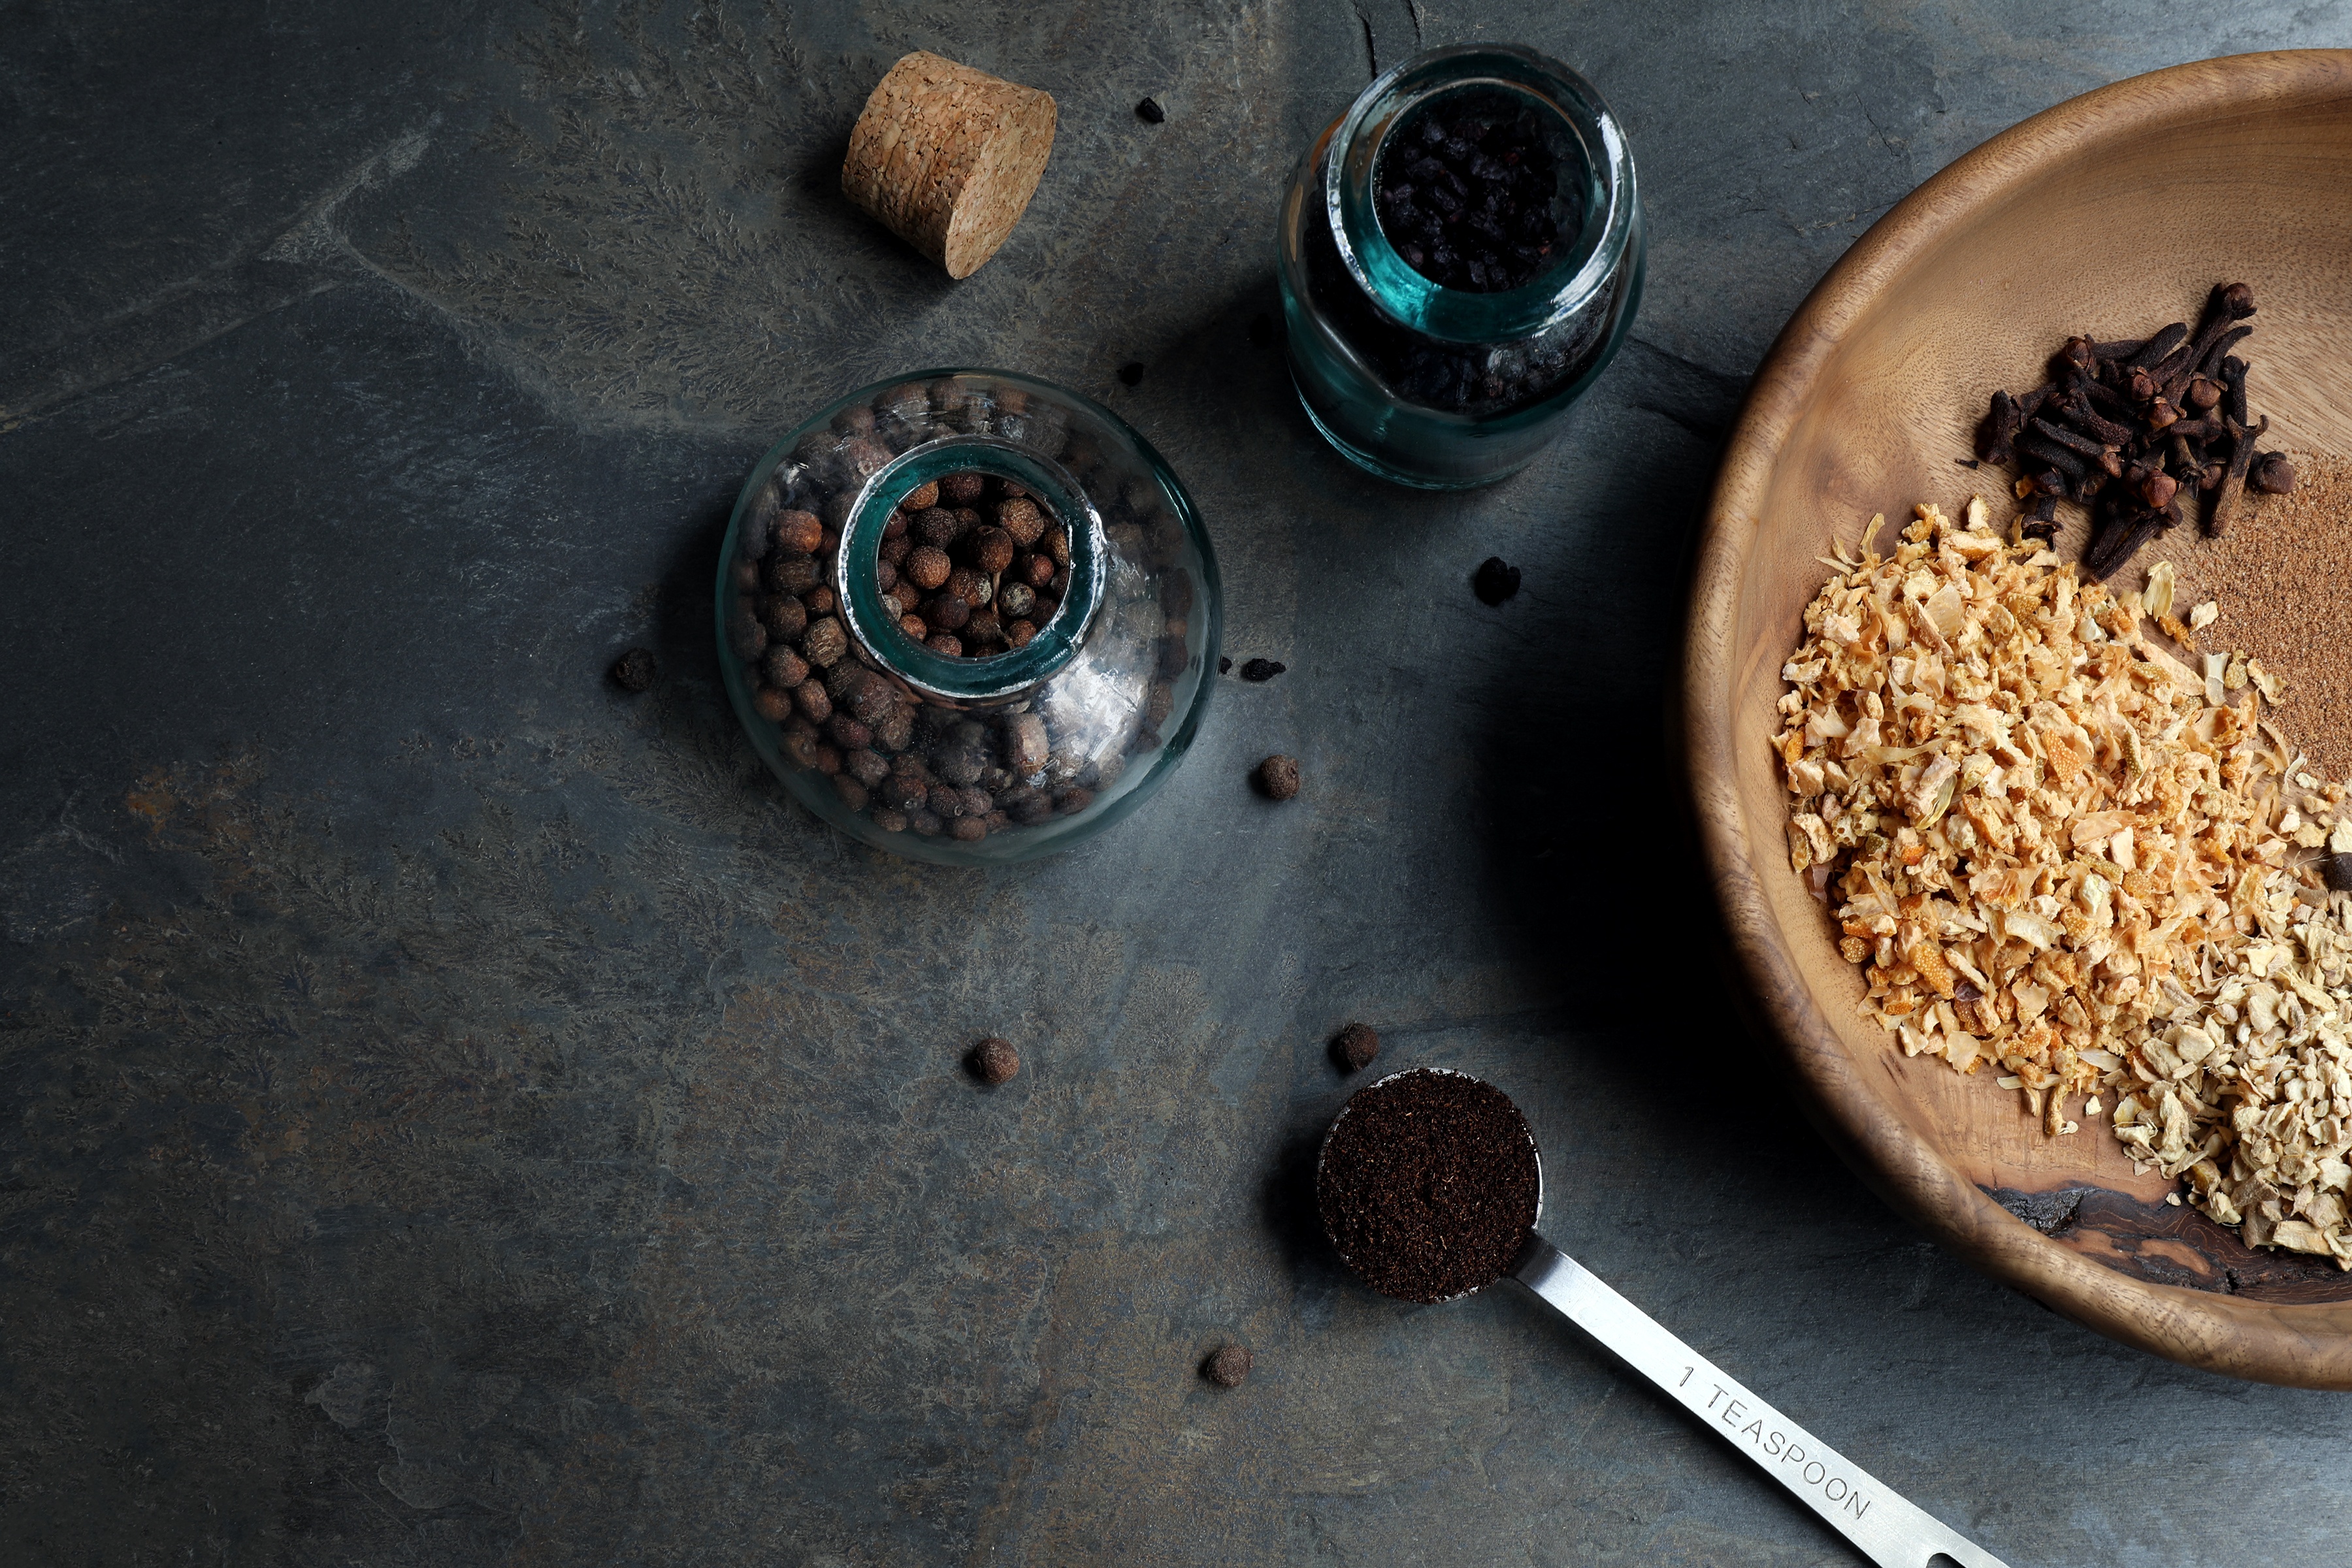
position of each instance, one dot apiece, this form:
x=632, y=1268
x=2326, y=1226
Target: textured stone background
x=457, y=1114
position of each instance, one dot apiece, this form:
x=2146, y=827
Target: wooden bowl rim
x=2306, y=1345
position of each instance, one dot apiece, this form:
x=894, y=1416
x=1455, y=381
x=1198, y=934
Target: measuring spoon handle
x=1892, y=1532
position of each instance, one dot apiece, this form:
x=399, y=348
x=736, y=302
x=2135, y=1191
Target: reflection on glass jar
x=1461, y=254
x=1010, y=751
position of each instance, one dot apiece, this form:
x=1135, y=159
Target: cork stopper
x=947, y=157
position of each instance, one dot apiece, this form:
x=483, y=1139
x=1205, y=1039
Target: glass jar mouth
x=1422, y=304
x=953, y=678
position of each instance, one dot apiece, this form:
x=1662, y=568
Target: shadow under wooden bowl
x=2109, y=214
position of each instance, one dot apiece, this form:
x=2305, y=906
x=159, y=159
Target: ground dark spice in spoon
x=1428, y=1184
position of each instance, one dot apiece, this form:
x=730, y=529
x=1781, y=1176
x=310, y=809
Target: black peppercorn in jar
x=884, y=721
x=1461, y=254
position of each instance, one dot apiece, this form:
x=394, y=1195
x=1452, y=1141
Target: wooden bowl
x=2111, y=214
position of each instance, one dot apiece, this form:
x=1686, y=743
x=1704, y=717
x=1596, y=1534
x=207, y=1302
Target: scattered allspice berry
x=1278, y=777
x=1149, y=112
x=1229, y=1366
x=1356, y=1046
x=1494, y=581
x=994, y=1061
x=635, y=670
x=1258, y=669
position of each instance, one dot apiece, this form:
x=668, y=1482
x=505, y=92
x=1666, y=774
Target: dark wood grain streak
x=2171, y=1244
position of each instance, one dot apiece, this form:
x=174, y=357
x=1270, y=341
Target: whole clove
x=2102, y=453
x=2122, y=538
x=2041, y=523
x=2158, y=347
x=1996, y=439
x=2271, y=474
x=2233, y=482
x=2230, y=302
x=2233, y=389
x=2052, y=455
x=2208, y=366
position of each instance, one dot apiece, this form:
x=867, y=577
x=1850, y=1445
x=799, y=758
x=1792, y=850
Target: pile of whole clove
x=2136, y=431
x=971, y=565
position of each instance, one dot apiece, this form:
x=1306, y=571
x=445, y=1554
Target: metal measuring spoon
x=1891, y=1532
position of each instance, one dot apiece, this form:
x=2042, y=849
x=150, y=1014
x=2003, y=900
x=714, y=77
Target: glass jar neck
x=953, y=679
x=1599, y=157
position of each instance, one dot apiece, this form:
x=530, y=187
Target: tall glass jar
x=1447, y=387
x=948, y=758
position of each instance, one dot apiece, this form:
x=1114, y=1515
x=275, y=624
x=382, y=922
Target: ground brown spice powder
x=1428, y=1184
x=2283, y=580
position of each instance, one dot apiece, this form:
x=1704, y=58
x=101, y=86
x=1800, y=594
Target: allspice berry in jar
x=1460, y=255
x=997, y=644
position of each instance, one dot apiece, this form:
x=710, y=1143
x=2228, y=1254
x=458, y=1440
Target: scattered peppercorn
x=1262, y=670
x=1131, y=373
x=1225, y=665
x=635, y=670
x=1495, y=582
x=994, y=1061
x=1149, y=112
x=1229, y=1366
x=1278, y=777
x=1356, y=1046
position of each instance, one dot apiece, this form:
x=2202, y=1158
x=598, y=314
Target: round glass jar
x=1442, y=388
x=968, y=761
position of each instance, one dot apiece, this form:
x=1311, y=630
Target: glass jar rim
x=1420, y=303
x=953, y=678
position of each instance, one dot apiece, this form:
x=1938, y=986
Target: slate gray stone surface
x=457, y=1113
